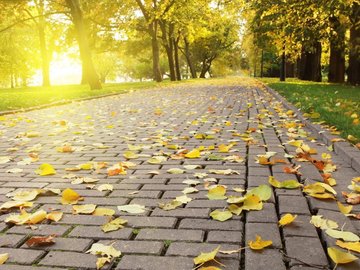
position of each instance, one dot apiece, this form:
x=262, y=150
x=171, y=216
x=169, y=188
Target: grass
x=337, y=104
x=20, y=98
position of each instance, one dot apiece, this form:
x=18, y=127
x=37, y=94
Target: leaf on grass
x=353, y=246
x=84, y=209
x=345, y=235
x=340, y=257
x=206, y=257
x=259, y=244
x=4, y=257
x=105, y=187
x=132, y=208
x=288, y=184
x=37, y=241
x=221, y=215
x=54, y=216
x=69, y=196
x=216, y=193
x=114, y=225
x=287, y=219
x=263, y=192
x=195, y=153
x=45, y=169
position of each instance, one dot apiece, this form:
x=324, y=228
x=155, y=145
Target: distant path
x=159, y=121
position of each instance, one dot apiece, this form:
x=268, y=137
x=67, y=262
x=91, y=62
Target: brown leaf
x=36, y=241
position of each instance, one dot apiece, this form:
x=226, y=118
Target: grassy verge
x=337, y=105
x=19, y=98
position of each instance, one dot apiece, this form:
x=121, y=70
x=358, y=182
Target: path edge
x=344, y=149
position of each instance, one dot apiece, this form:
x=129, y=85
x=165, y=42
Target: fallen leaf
x=252, y=202
x=132, y=208
x=175, y=171
x=287, y=219
x=236, y=210
x=189, y=190
x=170, y=205
x=191, y=182
x=195, y=153
x=353, y=246
x=345, y=235
x=70, y=196
x=217, y=193
x=45, y=169
x=221, y=215
x=105, y=187
x=114, y=225
x=224, y=172
x=101, y=211
x=288, y=184
x=54, y=216
x=229, y=252
x=206, y=257
x=184, y=199
x=259, y=244
x=103, y=250
x=100, y=262
x=263, y=192
x=130, y=155
x=340, y=257
x=15, y=204
x=344, y=209
x=25, y=195
x=322, y=223
x=192, y=167
x=4, y=257
x=83, y=209
x=36, y=241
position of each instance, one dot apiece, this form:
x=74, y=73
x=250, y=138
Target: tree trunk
x=85, y=53
x=188, y=59
x=354, y=54
x=337, y=52
x=310, y=64
x=283, y=66
x=155, y=51
x=176, y=56
x=167, y=30
x=45, y=62
x=205, y=68
x=290, y=70
x=170, y=55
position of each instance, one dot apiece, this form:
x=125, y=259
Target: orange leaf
x=40, y=241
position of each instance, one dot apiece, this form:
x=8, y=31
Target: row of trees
x=137, y=38
x=310, y=35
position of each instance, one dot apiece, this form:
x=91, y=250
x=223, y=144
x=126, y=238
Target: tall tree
x=89, y=72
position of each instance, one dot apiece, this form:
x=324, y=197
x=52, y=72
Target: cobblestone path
x=246, y=120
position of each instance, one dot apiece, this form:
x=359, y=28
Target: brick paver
x=164, y=123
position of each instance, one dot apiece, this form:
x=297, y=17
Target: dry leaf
x=54, y=216
x=70, y=196
x=100, y=211
x=354, y=246
x=105, y=187
x=289, y=184
x=36, y=241
x=221, y=215
x=217, y=193
x=45, y=169
x=346, y=236
x=287, y=219
x=340, y=257
x=114, y=225
x=103, y=250
x=4, y=257
x=259, y=244
x=195, y=153
x=322, y=223
x=132, y=208
x=84, y=209
x=206, y=257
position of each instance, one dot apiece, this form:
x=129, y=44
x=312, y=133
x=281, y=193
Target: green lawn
x=19, y=98
x=337, y=104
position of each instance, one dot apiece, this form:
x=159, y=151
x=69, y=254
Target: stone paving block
x=301, y=226
x=317, y=204
x=267, y=231
x=66, y=244
x=190, y=249
x=266, y=215
x=43, y=229
x=22, y=256
x=147, y=222
x=95, y=232
x=141, y=194
x=182, y=213
x=206, y=204
x=264, y=259
x=70, y=260
x=171, y=235
x=136, y=247
x=27, y=267
x=140, y=262
x=206, y=224
x=307, y=250
x=224, y=237
x=83, y=220
x=293, y=204
x=11, y=240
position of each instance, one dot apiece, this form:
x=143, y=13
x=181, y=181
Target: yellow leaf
x=85, y=166
x=105, y=187
x=344, y=209
x=263, y=192
x=346, y=236
x=210, y=268
x=45, y=169
x=114, y=225
x=225, y=148
x=101, y=211
x=221, y=215
x=195, y=153
x=54, y=216
x=100, y=262
x=340, y=257
x=4, y=257
x=205, y=257
x=252, y=202
x=25, y=195
x=70, y=196
x=132, y=208
x=217, y=193
x=289, y=184
x=170, y=205
x=130, y=155
x=103, y=250
x=183, y=199
x=37, y=217
x=322, y=223
x=287, y=219
x=322, y=196
x=354, y=246
x=84, y=209
x=13, y=204
x=235, y=199
x=236, y=210
x=259, y=244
